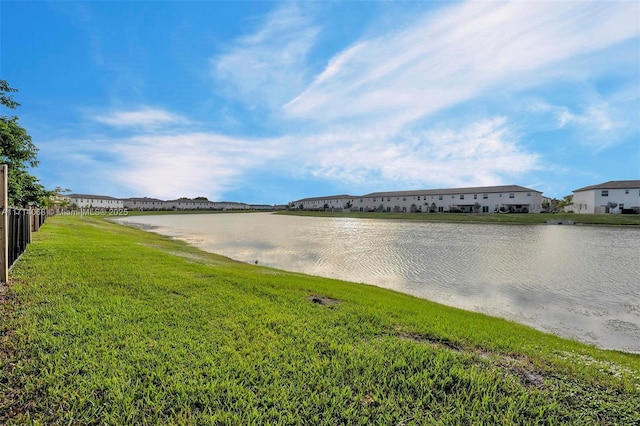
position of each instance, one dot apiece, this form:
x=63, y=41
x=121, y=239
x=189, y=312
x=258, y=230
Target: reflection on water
x=578, y=282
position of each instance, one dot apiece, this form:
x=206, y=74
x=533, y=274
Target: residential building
x=144, y=203
x=488, y=199
x=202, y=204
x=95, y=201
x=332, y=202
x=601, y=198
x=267, y=207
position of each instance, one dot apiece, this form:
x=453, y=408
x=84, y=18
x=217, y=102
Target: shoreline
x=581, y=328
x=105, y=321
x=631, y=221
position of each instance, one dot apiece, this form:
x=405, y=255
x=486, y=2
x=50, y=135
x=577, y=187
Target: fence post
x=4, y=228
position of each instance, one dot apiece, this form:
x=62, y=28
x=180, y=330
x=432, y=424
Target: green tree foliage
x=19, y=153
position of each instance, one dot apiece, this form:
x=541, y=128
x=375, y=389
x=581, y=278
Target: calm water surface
x=575, y=281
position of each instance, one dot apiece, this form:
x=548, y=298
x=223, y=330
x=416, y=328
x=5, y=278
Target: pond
x=581, y=282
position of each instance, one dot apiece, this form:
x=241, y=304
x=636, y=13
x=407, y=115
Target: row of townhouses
x=489, y=199
x=145, y=203
x=608, y=197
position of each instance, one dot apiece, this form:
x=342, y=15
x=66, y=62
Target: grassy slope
x=110, y=325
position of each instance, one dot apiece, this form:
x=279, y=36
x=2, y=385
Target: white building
x=625, y=194
x=230, y=205
x=331, y=202
x=146, y=203
x=201, y=204
x=95, y=201
x=143, y=203
x=488, y=199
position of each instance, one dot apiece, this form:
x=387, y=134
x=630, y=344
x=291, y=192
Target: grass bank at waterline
x=523, y=219
x=104, y=324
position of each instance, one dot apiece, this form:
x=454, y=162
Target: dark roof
x=421, y=192
x=93, y=197
x=329, y=197
x=188, y=200
x=143, y=199
x=612, y=184
x=454, y=191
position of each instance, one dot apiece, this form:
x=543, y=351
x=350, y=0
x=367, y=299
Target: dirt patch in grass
x=431, y=341
x=324, y=301
x=518, y=366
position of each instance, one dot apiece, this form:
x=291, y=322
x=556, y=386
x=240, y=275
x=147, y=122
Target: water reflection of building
x=616, y=196
x=487, y=199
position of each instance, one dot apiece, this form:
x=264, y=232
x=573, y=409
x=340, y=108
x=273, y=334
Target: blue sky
x=269, y=102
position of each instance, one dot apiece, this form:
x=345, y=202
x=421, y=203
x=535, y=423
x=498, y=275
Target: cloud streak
x=267, y=68
x=188, y=164
x=142, y=118
x=482, y=152
x=456, y=54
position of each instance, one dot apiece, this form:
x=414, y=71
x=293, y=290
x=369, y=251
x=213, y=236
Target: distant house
x=487, y=199
x=202, y=204
x=95, y=201
x=333, y=202
x=188, y=204
x=229, y=205
x=601, y=198
x=144, y=203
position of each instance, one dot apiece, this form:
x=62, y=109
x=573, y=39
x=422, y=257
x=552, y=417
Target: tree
x=566, y=201
x=18, y=152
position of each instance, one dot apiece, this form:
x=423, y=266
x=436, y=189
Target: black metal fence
x=21, y=222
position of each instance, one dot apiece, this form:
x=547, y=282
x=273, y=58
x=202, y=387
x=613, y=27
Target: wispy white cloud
x=188, y=164
x=458, y=53
x=483, y=152
x=599, y=124
x=268, y=67
x=143, y=118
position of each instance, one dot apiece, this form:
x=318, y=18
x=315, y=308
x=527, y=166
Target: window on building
x=475, y=196
x=462, y=196
x=604, y=193
x=528, y=194
x=485, y=209
x=626, y=191
x=439, y=197
x=485, y=196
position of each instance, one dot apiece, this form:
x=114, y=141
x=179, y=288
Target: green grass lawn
x=104, y=324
